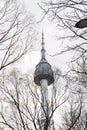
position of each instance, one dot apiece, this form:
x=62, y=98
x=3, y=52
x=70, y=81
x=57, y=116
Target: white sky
x=51, y=44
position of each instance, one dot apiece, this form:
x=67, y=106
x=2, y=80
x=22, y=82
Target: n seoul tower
x=43, y=77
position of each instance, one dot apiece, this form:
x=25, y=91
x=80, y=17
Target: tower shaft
x=44, y=98
x=44, y=102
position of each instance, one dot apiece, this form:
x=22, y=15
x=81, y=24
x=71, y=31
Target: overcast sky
x=51, y=44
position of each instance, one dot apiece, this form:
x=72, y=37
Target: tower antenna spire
x=43, y=57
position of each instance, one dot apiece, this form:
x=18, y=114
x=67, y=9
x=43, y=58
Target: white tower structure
x=43, y=77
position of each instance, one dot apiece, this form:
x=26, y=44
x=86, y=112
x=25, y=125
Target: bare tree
x=74, y=116
x=20, y=102
x=65, y=14
x=17, y=32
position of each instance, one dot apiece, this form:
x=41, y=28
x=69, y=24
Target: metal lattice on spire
x=43, y=57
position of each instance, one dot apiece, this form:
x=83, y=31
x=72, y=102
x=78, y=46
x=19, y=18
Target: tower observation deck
x=43, y=68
